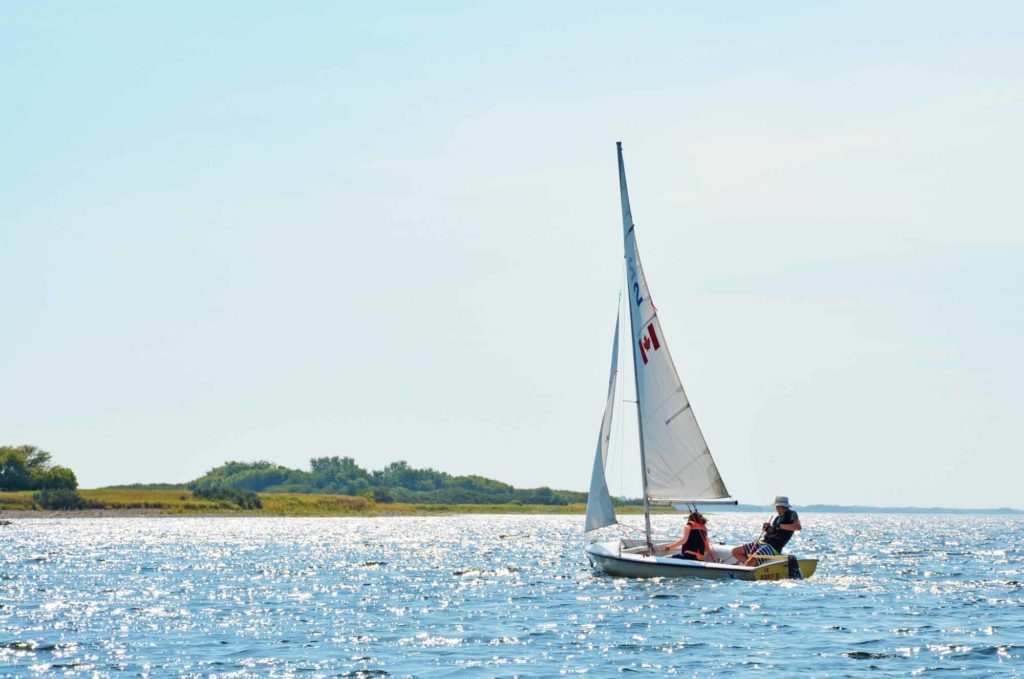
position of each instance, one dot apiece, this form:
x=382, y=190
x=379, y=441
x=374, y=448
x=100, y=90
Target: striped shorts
x=759, y=548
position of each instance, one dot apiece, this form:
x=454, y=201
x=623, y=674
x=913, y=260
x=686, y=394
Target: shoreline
x=407, y=511
x=115, y=503
x=138, y=512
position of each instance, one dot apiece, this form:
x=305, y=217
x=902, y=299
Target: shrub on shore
x=61, y=498
x=245, y=499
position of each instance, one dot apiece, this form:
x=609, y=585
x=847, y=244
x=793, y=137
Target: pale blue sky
x=251, y=231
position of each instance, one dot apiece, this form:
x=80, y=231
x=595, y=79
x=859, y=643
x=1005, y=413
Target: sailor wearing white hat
x=774, y=534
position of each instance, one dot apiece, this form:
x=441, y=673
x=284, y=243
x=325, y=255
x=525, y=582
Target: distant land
x=400, y=483
x=332, y=486
x=865, y=509
x=633, y=505
x=175, y=500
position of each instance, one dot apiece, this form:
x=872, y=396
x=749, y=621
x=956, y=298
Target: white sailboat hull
x=626, y=558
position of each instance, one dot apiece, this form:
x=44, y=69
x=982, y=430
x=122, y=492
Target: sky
x=267, y=231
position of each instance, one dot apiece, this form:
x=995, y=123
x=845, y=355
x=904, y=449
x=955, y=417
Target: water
x=497, y=596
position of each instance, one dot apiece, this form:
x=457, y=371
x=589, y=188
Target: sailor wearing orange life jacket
x=694, y=543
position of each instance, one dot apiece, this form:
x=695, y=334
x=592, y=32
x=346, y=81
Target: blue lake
x=498, y=596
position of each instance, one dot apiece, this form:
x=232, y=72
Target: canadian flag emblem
x=648, y=342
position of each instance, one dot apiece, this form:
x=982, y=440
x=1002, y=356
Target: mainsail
x=677, y=464
x=600, y=512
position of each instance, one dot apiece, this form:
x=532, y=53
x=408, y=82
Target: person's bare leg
x=738, y=554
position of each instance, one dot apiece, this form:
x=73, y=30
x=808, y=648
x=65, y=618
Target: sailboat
x=676, y=465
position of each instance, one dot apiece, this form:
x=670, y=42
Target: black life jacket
x=697, y=542
x=778, y=537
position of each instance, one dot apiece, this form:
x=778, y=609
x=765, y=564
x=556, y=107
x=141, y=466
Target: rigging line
x=624, y=526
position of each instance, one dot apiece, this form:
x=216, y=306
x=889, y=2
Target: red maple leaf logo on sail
x=648, y=341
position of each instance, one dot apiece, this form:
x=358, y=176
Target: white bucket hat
x=782, y=501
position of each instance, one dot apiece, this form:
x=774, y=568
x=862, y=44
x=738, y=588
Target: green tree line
x=397, y=482
x=29, y=468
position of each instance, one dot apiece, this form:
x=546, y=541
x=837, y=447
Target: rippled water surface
x=497, y=596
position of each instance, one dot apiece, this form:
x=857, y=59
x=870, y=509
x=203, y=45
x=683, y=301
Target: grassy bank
x=182, y=502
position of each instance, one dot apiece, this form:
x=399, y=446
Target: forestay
x=678, y=464
x=600, y=512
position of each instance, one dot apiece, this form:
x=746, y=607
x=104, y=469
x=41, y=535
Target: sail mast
x=627, y=227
